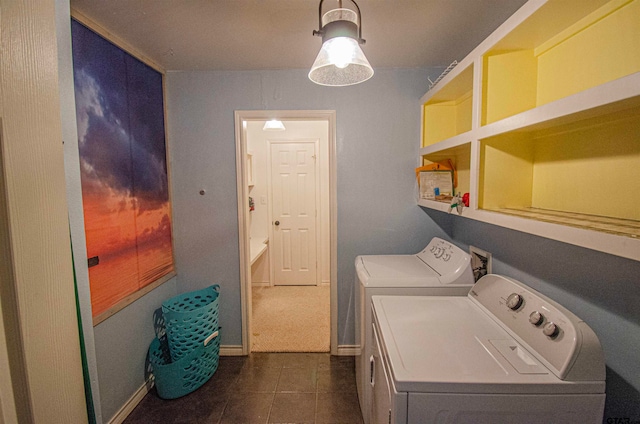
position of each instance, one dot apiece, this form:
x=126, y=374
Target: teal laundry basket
x=189, y=319
x=181, y=377
x=187, y=356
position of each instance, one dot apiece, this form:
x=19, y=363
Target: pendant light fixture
x=340, y=61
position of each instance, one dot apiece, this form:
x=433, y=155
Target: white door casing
x=241, y=117
x=293, y=212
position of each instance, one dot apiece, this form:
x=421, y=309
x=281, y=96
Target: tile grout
x=331, y=395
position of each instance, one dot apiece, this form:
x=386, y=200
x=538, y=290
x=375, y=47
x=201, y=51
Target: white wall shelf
x=257, y=248
x=551, y=145
x=433, y=204
x=449, y=143
x=611, y=97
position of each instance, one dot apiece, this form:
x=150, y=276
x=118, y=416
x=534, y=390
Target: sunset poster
x=123, y=166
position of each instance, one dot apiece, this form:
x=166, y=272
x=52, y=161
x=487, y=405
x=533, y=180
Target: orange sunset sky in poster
x=121, y=138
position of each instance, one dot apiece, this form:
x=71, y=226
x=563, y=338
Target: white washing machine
x=440, y=269
x=503, y=354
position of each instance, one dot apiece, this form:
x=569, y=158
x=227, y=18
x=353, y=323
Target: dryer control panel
x=448, y=260
x=554, y=335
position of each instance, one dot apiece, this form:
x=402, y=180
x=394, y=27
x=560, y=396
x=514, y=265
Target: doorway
x=286, y=198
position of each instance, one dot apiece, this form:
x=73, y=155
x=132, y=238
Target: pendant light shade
x=340, y=61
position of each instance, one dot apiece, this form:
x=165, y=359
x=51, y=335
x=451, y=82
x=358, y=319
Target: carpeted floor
x=290, y=319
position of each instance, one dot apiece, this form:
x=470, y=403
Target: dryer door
x=381, y=402
x=387, y=405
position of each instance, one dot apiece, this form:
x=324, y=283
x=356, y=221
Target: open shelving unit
x=448, y=112
x=542, y=121
x=460, y=156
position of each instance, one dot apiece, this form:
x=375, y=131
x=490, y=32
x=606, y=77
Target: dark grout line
x=273, y=400
x=225, y=385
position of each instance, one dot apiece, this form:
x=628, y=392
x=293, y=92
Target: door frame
x=242, y=116
x=316, y=147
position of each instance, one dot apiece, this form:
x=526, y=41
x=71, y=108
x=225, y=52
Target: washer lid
x=395, y=270
x=439, y=264
x=449, y=345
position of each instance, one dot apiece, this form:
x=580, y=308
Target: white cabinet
x=542, y=122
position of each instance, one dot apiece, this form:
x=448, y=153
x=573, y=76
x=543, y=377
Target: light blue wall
x=602, y=289
x=121, y=343
x=377, y=150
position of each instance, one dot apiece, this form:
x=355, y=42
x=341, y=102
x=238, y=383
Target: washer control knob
x=514, y=301
x=551, y=330
x=536, y=318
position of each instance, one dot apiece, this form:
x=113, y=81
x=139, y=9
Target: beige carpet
x=290, y=319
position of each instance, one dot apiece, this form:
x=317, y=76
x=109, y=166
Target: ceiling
x=277, y=34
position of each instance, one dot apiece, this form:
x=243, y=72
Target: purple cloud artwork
x=123, y=165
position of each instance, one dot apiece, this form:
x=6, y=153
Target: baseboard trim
x=231, y=350
x=343, y=350
x=130, y=404
x=348, y=350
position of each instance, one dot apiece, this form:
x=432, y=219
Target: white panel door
x=293, y=212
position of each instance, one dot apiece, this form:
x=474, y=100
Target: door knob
x=277, y=223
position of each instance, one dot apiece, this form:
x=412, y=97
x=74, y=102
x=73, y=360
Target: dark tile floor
x=264, y=388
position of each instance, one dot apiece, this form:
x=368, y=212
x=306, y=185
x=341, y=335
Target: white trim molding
x=348, y=350
x=131, y=403
x=231, y=350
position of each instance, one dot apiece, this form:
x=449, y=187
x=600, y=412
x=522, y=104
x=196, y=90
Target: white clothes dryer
x=440, y=269
x=503, y=354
